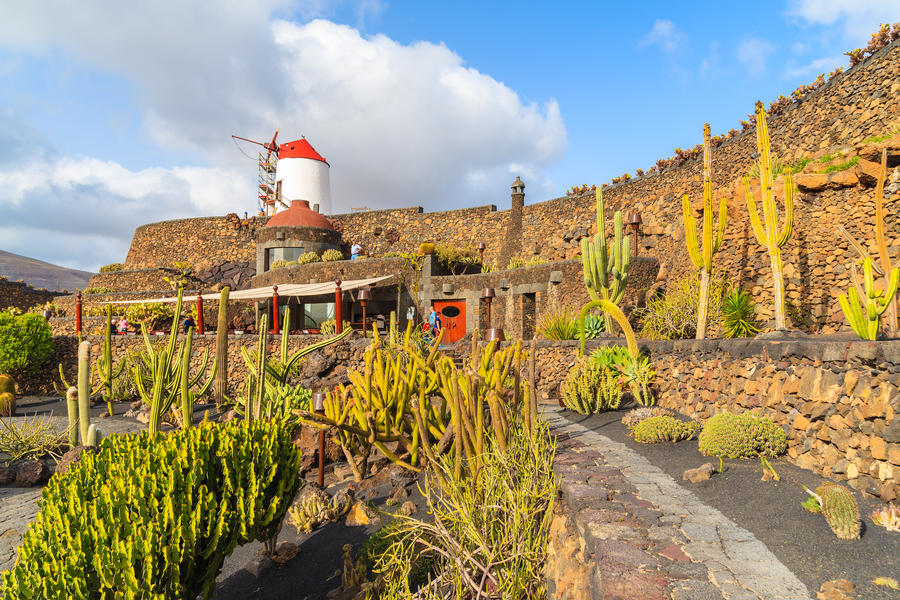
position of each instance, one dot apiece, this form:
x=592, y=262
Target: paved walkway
x=738, y=565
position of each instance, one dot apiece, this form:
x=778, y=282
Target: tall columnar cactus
x=767, y=232
x=884, y=269
x=702, y=257
x=72, y=406
x=107, y=371
x=605, y=272
x=222, y=349
x=866, y=319
x=89, y=433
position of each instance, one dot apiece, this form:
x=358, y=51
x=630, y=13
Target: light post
x=492, y=334
x=275, y=318
x=364, y=296
x=481, y=247
x=634, y=220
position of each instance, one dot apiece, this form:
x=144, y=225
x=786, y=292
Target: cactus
x=610, y=309
x=72, y=407
x=165, y=367
x=591, y=388
x=84, y=389
x=606, y=276
x=839, y=506
x=7, y=384
x=664, y=428
x=222, y=349
x=7, y=396
x=767, y=232
x=866, y=319
x=884, y=269
x=702, y=258
x=107, y=372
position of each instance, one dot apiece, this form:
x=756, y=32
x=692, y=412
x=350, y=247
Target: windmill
x=269, y=196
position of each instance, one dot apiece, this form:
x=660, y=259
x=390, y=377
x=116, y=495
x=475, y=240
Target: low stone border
x=627, y=530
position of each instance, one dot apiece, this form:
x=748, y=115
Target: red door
x=453, y=318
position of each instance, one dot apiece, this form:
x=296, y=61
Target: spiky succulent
x=888, y=517
x=636, y=415
x=664, y=428
x=593, y=326
x=590, y=388
x=745, y=435
x=840, y=509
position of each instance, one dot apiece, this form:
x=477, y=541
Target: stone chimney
x=512, y=242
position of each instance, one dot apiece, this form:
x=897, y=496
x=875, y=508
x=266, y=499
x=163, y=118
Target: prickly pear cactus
x=840, y=510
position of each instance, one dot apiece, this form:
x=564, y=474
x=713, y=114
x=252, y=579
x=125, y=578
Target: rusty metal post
x=275, y=314
x=319, y=406
x=78, y=313
x=338, y=307
x=200, y=329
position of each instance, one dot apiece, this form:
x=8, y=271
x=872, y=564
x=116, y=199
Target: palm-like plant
x=738, y=314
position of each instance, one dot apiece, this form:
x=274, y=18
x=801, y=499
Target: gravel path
x=740, y=565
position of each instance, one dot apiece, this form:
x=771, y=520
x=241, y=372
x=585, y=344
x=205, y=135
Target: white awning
x=264, y=293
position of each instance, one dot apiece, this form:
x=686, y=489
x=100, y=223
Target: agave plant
x=559, y=323
x=594, y=325
x=738, y=314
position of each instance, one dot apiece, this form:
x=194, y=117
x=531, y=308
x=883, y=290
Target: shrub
x=516, y=262
x=151, y=313
x=664, y=428
x=611, y=357
x=307, y=258
x=26, y=342
x=590, y=388
x=112, y=267
x=738, y=314
x=99, y=289
x=558, y=323
x=535, y=261
x=456, y=260
x=332, y=255
x=673, y=316
x=745, y=435
x=280, y=264
x=32, y=437
x=155, y=517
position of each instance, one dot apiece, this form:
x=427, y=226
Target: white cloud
x=813, y=68
x=665, y=35
x=753, y=52
x=859, y=18
x=400, y=124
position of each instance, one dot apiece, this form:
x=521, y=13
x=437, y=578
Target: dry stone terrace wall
x=203, y=242
x=839, y=401
x=22, y=296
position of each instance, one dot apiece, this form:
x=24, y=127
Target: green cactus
x=84, y=390
x=606, y=275
x=7, y=396
x=221, y=379
x=165, y=368
x=865, y=319
x=156, y=517
x=767, y=232
x=664, y=428
x=107, y=371
x=839, y=506
x=702, y=257
x=7, y=384
x=610, y=311
x=591, y=388
x=745, y=435
x=72, y=408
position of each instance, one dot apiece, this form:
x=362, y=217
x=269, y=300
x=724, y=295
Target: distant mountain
x=41, y=274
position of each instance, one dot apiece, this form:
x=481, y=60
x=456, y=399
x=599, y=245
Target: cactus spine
x=606, y=276
x=866, y=320
x=222, y=349
x=702, y=258
x=884, y=269
x=107, y=372
x=767, y=233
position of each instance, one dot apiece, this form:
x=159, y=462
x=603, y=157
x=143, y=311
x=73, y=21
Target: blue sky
x=113, y=116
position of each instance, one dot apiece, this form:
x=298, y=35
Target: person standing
x=355, y=249
x=434, y=320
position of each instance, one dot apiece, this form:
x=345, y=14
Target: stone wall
x=203, y=242
x=838, y=400
x=22, y=295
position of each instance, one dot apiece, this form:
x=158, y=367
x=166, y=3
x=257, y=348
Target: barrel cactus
x=745, y=435
x=664, y=428
x=839, y=506
x=7, y=404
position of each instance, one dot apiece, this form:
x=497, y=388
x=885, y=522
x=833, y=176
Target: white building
x=302, y=174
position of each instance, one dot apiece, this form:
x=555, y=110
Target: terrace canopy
x=265, y=293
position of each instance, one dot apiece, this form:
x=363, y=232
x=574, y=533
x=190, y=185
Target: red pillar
x=275, y=309
x=200, y=312
x=338, y=307
x=78, y=313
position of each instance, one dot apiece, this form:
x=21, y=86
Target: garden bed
x=771, y=511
